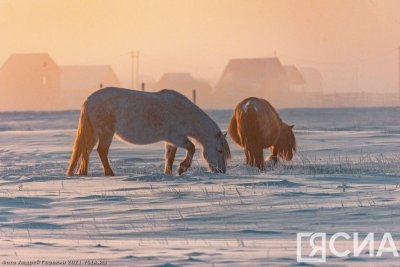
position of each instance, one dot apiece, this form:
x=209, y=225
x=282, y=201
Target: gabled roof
x=180, y=80
x=177, y=77
x=310, y=73
x=29, y=62
x=78, y=77
x=252, y=70
x=294, y=76
x=313, y=79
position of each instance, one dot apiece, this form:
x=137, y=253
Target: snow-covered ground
x=344, y=178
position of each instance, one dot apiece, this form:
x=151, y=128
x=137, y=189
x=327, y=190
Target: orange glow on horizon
x=353, y=43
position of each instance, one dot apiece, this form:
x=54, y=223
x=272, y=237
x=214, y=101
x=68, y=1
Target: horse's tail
x=249, y=133
x=84, y=142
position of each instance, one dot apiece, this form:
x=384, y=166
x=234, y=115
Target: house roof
x=310, y=73
x=79, y=77
x=180, y=80
x=294, y=76
x=313, y=78
x=178, y=77
x=29, y=62
x=252, y=70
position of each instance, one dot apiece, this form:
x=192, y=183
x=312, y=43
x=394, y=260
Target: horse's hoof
x=181, y=170
x=271, y=161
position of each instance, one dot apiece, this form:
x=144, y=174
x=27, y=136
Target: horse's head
x=286, y=144
x=217, y=152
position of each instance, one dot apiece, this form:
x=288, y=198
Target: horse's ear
x=291, y=126
x=225, y=134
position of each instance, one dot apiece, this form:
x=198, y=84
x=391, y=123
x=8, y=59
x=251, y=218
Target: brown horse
x=256, y=125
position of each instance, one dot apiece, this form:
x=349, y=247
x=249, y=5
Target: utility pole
x=135, y=69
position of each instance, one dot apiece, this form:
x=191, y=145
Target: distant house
x=30, y=81
x=260, y=77
x=295, y=78
x=184, y=83
x=313, y=79
x=78, y=82
x=35, y=82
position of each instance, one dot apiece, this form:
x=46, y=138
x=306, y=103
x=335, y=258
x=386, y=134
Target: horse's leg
x=105, y=140
x=273, y=155
x=259, y=158
x=170, y=151
x=255, y=157
x=185, y=164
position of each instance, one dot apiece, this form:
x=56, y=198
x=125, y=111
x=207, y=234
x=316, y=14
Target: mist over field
x=346, y=51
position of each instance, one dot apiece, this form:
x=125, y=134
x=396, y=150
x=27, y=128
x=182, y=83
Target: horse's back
x=176, y=98
x=112, y=94
x=260, y=109
x=261, y=106
x=115, y=93
x=142, y=117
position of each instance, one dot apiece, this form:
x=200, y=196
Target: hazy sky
x=353, y=43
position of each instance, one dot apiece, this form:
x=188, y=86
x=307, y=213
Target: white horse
x=143, y=118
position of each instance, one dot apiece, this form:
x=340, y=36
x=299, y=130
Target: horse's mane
x=189, y=104
x=286, y=143
x=194, y=108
